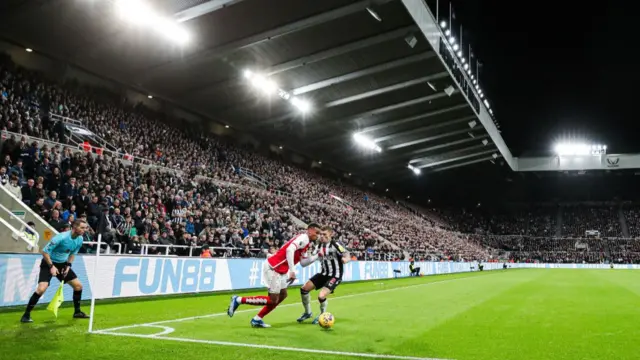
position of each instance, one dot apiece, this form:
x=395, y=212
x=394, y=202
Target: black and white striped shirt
x=332, y=260
x=178, y=215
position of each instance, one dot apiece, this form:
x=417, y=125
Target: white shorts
x=273, y=280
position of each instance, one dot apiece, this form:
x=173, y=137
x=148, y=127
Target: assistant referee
x=57, y=257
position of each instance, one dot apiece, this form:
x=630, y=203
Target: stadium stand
x=140, y=207
x=161, y=189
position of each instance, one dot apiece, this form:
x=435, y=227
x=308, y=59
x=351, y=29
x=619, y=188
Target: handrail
x=26, y=226
x=144, y=248
x=28, y=209
x=64, y=118
x=108, y=247
x=19, y=235
x=124, y=157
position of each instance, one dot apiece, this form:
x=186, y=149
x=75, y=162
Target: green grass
x=524, y=314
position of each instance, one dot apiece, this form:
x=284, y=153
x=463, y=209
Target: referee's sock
x=77, y=295
x=32, y=303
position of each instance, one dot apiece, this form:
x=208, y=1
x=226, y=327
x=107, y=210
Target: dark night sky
x=557, y=69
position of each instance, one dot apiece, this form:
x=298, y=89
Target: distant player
x=333, y=255
x=278, y=272
x=57, y=257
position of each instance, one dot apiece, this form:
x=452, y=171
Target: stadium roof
x=365, y=66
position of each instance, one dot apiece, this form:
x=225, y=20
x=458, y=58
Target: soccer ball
x=326, y=320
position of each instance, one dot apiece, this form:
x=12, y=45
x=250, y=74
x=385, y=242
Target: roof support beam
x=380, y=163
x=316, y=57
x=340, y=50
x=428, y=139
x=371, y=112
x=446, y=145
x=425, y=128
x=412, y=118
x=467, y=163
x=364, y=72
x=387, y=89
x=423, y=166
x=233, y=46
x=427, y=159
x=203, y=9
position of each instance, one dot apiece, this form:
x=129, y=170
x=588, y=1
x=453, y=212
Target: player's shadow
x=42, y=331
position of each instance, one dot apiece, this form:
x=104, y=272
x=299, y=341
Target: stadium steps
x=623, y=222
x=14, y=215
x=559, y=222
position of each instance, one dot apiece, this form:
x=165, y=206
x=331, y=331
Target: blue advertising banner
x=120, y=276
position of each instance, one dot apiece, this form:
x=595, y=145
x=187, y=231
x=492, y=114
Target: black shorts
x=45, y=273
x=323, y=281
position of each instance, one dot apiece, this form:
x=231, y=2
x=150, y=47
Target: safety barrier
x=131, y=276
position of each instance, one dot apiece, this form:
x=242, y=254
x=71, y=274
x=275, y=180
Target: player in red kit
x=278, y=272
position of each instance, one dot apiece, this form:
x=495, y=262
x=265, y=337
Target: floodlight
x=466, y=66
x=139, y=13
x=463, y=60
x=172, y=30
x=456, y=47
x=150, y=96
x=414, y=169
x=366, y=143
x=486, y=103
x=452, y=40
x=264, y=84
x=28, y=50
x=565, y=149
x=135, y=11
x=475, y=82
x=443, y=24
x=459, y=53
x=226, y=126
x=447, y=32
x=302, y=105
x=374, y=14
x=247, y=74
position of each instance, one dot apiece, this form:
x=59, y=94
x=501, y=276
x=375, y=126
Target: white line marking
x=280, y=306
x=270, y=347
x=166, y=329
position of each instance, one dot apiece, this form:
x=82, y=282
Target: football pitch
x=512, y=314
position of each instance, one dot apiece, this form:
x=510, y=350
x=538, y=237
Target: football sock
x=255, y=300
x=32, y=303
x=323, y=305
x=306, y=301
x=265, y=311
x=77, y=295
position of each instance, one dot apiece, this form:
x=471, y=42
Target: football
x=326, y=320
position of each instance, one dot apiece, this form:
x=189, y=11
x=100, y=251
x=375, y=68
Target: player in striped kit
x=332, y=255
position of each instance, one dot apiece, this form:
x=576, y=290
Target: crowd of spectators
x=196, y=196
x=535, y=221
x=576, y=220
x=632, y=218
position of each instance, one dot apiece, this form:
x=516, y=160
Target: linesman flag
x=57, y=300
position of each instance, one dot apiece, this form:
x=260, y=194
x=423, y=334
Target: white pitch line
x=280, y=306
x=271, y=347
